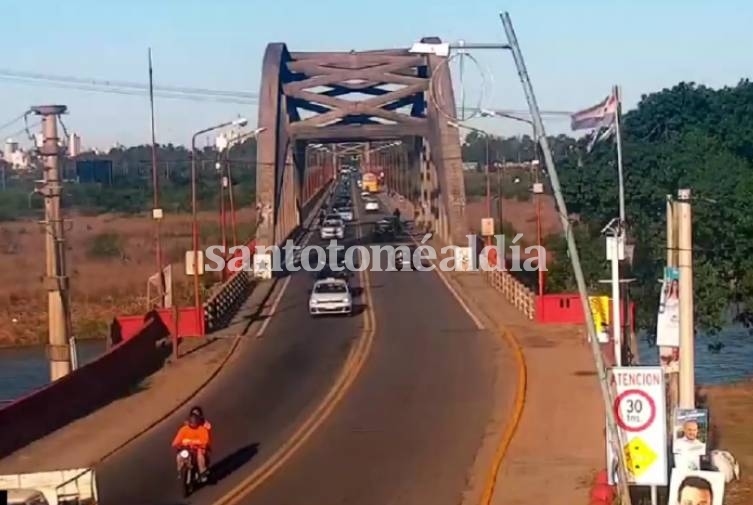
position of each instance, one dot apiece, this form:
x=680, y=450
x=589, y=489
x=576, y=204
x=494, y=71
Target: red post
x=223, y=221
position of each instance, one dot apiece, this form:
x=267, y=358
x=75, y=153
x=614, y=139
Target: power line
x=125, y=84
x=129, y=92
x=12, y=121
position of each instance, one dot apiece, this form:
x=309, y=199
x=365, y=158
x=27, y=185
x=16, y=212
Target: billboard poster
x=668, y=318
x=696, y=487
x=690, y=433
x=601, y=314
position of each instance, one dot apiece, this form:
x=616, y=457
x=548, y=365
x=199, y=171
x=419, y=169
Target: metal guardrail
x=222, y=306
x=220, y=309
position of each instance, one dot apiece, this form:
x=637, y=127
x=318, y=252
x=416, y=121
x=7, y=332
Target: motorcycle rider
x=199, y=412
x=193, y=435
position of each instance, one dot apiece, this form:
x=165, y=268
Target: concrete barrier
x=84, y=390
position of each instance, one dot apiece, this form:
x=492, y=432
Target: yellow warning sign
x=639, y=456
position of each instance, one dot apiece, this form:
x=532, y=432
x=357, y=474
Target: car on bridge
x=330, y=296
x=371, y=205
x=384, y=230
x=345, y=212
x=332, y=228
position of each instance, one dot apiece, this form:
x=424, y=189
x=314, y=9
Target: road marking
x=520, y=392
x=273, y=309
x=283, y=288
x=455, y=294
x=350, y=371
x=512, y=426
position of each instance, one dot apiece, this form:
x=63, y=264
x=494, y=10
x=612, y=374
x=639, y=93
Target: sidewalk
x=559, y=443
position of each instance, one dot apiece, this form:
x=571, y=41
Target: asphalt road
x=409, y=429
x=406, y=432
x=254, y=404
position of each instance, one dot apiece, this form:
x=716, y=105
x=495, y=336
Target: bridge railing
x=514, y=291
x=222, y=306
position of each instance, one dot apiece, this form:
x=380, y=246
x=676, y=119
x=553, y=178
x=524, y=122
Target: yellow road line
x=517, y=413
x=353, y=365
x=520, y=391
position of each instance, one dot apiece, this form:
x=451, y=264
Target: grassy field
x=109, y=261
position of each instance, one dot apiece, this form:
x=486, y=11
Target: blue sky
x=575, y=50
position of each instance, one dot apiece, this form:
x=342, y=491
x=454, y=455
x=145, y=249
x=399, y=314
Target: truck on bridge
x=370, y=182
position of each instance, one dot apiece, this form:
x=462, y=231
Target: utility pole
x=56, y=280
x=668, y=354
x=156, y=210
x=685, y=267
x=540, y=134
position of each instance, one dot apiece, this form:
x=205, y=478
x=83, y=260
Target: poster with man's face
x=696, y=488
x=690, y=431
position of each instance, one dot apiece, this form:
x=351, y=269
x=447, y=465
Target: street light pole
x=194, y=217
x=486, y=135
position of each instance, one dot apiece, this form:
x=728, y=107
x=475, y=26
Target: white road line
x=273, y=309
x=453, y=291
x=283, y=288
x=460, y=300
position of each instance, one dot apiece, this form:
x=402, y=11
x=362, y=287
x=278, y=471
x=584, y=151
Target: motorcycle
x=189, y=471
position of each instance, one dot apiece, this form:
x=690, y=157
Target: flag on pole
x=599, y=116
x=601, y=119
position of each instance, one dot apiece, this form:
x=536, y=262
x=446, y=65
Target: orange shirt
x=188, y=436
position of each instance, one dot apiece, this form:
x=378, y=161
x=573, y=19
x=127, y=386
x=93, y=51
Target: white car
x=332, y=228
x=330, y=296
x=371, y=205
x=365, y=194
x=345, y=213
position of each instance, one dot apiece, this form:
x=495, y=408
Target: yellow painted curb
x=512, y=426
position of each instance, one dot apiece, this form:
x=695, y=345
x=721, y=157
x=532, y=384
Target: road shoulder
x=558, y=445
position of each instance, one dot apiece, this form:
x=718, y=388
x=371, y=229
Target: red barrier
x=559, y=309
x=234, y=261
x=84, y=390
x=188, y=326
x=565, y=308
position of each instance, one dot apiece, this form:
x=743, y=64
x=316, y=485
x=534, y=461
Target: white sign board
x=463, y=259
x=194, y=259
x=487, y=227
x=640, y=411
x=263, y=266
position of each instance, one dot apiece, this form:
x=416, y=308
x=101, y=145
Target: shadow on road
x=233, y=462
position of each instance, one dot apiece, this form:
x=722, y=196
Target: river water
x=24, y=369
x=733, y=363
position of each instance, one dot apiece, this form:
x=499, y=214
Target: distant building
x=14, y=156
x=74, y=145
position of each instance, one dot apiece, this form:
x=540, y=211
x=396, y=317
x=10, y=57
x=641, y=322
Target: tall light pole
x=486, y=135
x=194, y=216
x=56, y=280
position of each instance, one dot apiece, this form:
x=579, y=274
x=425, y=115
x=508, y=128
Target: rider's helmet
x=198, y=412
x=194, y=421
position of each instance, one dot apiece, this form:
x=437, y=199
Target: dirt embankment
x=109, y=261
x=730, y=413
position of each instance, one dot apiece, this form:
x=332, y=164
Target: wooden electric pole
x=685, y=267
x=56, y=280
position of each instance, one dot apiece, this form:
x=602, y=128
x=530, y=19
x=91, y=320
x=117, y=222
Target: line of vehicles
x=331, y=292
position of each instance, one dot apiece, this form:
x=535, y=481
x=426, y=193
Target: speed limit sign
x=635, y=410
x=640, y=413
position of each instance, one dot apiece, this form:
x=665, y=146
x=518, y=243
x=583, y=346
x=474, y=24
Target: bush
x=106, y=245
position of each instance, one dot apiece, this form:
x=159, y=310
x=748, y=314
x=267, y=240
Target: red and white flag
x=599, y=116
